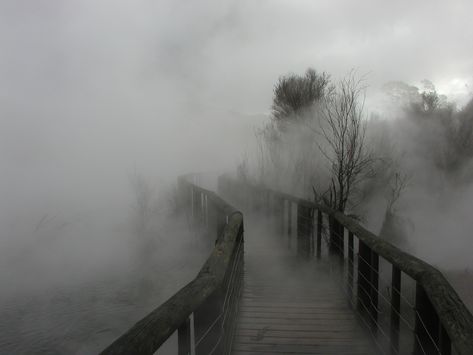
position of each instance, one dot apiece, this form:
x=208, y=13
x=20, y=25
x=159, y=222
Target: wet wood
x=455, y=318
x=293, y=307
x=148, y=334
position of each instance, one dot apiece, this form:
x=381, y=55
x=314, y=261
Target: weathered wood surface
x=147, y=335
x=292, y=306
x=455, y=317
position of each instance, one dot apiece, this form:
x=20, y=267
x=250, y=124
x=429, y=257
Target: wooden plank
x=321, y=352
x=288, y=298
x=294, y=310
x=148, y=334
x=289, y=307
x=303, y=349
x=296, y=305
x=454, y=316
x=272, y=321
x=304, y=322
x=292, y=341
x=295, y=334
x=348, y=327
x=291, y=315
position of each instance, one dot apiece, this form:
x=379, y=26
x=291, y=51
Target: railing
x=203, y=312
x=424, y=316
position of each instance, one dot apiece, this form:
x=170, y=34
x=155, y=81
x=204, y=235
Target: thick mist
x=94, y=95
x=95, y=108
x=430, y=150
x=91, y=95
x=418, y=191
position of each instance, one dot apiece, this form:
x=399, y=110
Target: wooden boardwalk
x=293, y=306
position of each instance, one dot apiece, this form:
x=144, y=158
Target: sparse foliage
x=464, y=136
x=343, y=129
x=397, y=186
x=423, y=102
x=435, y=116
x=294, y=93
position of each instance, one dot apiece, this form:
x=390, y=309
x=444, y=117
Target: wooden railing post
x=444, y=342
x=280, y=215
x=221, y=222
x=319, y=233
x=183, y=194
x=304, y=229
x=234, y=293
x=267, y=204
x=277, y=212
x=207, y=324
x=442, y=322
x=374, y=288
x=336, y=243
x=184, y=338
x=202, y=208
x=395, y=309
x=289, y=219
x=205, y=211
x=364, y=275
x=196, y=206
x=350, y=263
x=427, y=325
x=192, y=203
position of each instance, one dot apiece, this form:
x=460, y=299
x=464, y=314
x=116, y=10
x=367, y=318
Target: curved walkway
x=290, y=305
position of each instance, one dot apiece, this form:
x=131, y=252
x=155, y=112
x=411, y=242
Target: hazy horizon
x=93, y=93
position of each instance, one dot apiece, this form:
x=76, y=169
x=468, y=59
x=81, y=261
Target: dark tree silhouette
x=343, y=129
x=294, y=93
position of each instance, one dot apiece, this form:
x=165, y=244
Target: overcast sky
x=92, y=90
x=226, y=53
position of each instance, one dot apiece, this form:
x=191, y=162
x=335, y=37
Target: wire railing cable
x=326, y=237
x=228, y=295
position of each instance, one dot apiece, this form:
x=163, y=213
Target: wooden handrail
x=148, y=334
x=452, y=312
x=454, y=316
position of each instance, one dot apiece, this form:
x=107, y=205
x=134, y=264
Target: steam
x=93, y=93
x=430, y=148
x=422, y=184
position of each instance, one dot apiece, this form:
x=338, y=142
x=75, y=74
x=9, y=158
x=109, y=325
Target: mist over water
x=87, y=101
x=93, y=94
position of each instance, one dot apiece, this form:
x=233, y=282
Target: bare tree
x=398, y=184
x=343, y=129
x=394, y=225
